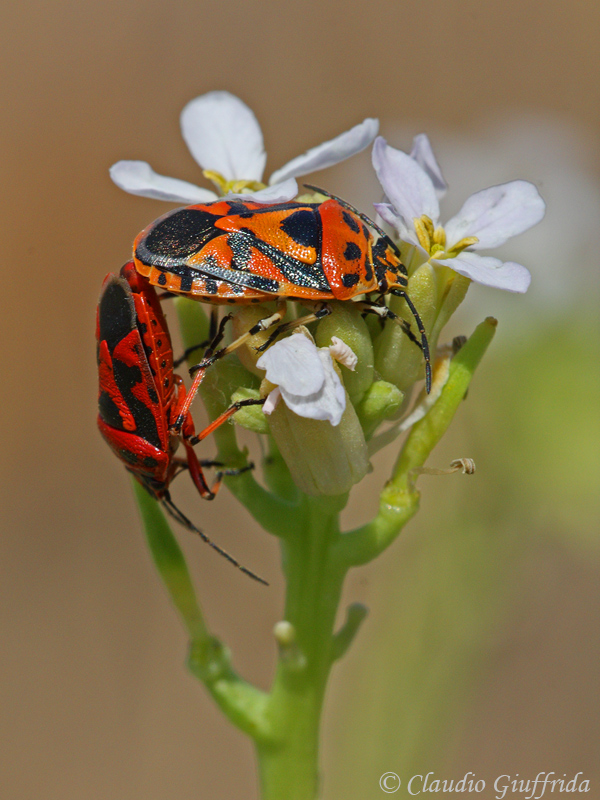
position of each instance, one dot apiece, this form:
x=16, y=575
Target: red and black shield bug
x=239, y=251
x=140, y=397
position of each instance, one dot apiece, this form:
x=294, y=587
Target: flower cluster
x=339, y=386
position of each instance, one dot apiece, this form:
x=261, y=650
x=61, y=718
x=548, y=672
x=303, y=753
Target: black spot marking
x=352, y=251
x=166, y=382
x=351, y=222
x=350, y=280
x=231, y=300
x=159, y=342
x=153, y=321
x=162, y=279
x=129, y=457
x=240, y=210
x=186, y=283
x=163, y=364
x=109, y=411
x=150, y=462
x=302, y=226
x=211, y=286
x=152, y=393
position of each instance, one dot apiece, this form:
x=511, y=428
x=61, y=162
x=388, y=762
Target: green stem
x=289, y=760
x=209, y=660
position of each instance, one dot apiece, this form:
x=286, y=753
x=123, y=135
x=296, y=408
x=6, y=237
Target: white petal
x=422, y=153
x=270, y=403
x=406, y=232
x=138, y=177
x=496, y=214
x=329, y=153
x=294, y=365
x=224, y=135
x=280, y=193
x=489, y=271
x=327, y=404
x=342, y=353
x=407, y=186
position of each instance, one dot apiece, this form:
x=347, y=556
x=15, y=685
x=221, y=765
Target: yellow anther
x=439, y=237
x=462, y=245
x=217, y=179
x=428, y=223
x=422, y=232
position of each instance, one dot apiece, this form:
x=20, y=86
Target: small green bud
x=381, y=401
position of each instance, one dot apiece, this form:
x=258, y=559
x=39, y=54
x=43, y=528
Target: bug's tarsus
x=188, y=352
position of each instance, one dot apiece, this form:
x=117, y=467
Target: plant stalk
x=288, y=762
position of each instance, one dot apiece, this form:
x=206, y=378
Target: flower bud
x=381, y=401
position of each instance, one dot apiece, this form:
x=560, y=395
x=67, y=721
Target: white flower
x=414, y=184
x=225, y=138
x=305, y=377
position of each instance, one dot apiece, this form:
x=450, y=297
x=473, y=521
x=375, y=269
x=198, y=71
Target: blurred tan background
x=481, y=649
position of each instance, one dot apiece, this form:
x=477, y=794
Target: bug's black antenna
x=172, y=509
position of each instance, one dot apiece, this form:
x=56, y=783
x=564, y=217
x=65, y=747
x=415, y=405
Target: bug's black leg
x=237, y=471
x=385, y=313
x=324, y=311
x=421, y=327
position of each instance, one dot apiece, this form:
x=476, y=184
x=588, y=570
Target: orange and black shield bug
x=238, y=252
x=140, y=397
